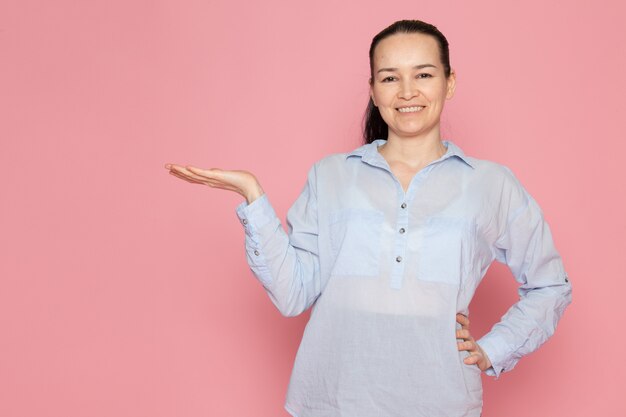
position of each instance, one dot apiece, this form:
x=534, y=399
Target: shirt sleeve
x=526, y=246
x=286, y=264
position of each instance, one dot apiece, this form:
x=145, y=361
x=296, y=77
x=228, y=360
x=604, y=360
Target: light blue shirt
x=386, y=272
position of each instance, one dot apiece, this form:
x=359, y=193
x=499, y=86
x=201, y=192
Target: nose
x=408, y=89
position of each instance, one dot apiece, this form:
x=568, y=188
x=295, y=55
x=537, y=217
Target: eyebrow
x=415, y=67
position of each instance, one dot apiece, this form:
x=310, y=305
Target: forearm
x=289, y=273
x=525, y=326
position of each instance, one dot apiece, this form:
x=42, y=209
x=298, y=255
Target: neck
x=414, y=151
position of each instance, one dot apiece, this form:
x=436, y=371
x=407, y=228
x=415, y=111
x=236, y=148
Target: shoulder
x=498, y=183
x=487, y=166
x=330, y=162
x=492, y=171
x=332, y=159
x=506, y=186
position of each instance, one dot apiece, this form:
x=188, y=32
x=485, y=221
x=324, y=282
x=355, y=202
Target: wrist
x=486, y=361
x=254, y=193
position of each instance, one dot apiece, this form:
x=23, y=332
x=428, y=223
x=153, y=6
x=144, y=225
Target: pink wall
x=124, y=290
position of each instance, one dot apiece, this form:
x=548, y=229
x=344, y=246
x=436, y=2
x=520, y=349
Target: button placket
x=400, y=245
x=402, y=226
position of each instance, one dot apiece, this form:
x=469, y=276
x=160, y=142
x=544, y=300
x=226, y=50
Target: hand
x=242, y=182
x=477, y=354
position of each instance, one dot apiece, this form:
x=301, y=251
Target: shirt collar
x=369, y=152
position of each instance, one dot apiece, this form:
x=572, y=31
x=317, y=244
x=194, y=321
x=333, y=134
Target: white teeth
x=411, y=109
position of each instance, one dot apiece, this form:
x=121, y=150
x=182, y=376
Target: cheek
x=384, y=97
x=439, y=94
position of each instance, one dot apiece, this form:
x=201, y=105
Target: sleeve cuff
x=253, y=217
x=494, y=354
x=257, y=214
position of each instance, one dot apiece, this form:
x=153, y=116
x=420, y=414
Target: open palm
x=239, y=181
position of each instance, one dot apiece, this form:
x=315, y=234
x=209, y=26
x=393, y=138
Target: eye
x=425, y=75
x=385, y=80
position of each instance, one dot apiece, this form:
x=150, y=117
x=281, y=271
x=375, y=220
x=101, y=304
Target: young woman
x=389, y=242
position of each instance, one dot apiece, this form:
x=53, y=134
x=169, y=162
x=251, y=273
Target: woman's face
x=409, y=85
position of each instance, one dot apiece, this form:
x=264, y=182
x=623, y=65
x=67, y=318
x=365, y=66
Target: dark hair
x=374, y=127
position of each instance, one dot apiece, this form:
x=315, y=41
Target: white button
x=399, y=259
x=245, y=221
x=403, y=205
x=256, y=252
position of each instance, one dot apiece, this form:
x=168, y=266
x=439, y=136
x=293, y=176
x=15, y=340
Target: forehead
x=406, y=49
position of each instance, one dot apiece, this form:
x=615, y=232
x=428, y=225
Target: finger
x=471, y=346
x=204, y=175
x=463, y=333
x=174, y=166
x=463, y=319
x=181, y=176
x=194, y=176
x=184, y=171
x=208, y=173
x=473, y=358
x=467, y=345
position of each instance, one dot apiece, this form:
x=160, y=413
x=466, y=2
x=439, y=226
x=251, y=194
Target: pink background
x=125, y=291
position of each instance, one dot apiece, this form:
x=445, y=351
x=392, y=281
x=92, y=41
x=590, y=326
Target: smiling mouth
x=413, y=109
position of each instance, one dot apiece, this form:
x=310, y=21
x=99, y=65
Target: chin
x=409, y=134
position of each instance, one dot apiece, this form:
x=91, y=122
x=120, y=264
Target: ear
x=451, y=85
x=372, y=93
